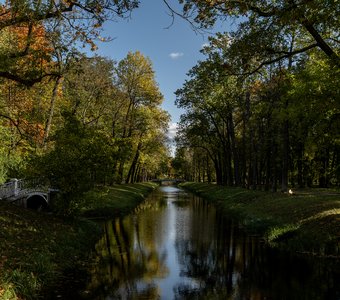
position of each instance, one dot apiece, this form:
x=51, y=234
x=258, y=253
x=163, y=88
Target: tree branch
x=24, y=81
x=277, y=59
x=13, y=122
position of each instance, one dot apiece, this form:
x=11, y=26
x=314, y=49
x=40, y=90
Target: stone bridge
x=27, y=193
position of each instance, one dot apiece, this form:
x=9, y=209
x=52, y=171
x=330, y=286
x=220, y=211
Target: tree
x=267, y=28
x=135, y=81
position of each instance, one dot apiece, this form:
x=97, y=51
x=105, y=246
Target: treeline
x=75, y=120
x=263, y=109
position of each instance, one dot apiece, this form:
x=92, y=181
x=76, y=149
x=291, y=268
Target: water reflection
x=179, y=247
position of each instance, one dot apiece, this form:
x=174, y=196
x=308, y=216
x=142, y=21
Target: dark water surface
x=179, y=247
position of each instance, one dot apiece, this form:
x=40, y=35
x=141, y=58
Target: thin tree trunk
x=285, y=157
x=235, y=152
x=300, y=165
x=57, y=83
x=129, y=177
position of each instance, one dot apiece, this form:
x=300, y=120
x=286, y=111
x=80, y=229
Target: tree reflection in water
x=127, y=256
x=174, y=248
x=226, y=263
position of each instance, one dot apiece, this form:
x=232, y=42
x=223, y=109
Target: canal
x=176, y=246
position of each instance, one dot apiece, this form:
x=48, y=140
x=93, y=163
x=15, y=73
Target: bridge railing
x=8, y=189
x=17, y=186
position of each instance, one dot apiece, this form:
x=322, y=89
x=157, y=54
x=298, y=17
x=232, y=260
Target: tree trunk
x=129, y=178
x=285, y=157
x=57, y=83
x=234, y=150
x=300, y=165
x=274, y=178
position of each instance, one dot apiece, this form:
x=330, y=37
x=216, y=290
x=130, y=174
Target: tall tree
x=135, y=79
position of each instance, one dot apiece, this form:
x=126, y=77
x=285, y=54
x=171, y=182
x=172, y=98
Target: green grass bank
x=307, y=221
x=38, y=248
x=114, y=201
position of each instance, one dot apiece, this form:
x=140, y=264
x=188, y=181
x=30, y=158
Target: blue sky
x=173, y=51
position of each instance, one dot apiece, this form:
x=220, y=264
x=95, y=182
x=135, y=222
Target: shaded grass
x=303, y=222
x=37, y=249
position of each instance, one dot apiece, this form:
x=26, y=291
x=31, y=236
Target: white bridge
x=27, y=193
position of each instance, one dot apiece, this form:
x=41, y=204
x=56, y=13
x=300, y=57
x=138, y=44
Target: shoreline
x=305, y=223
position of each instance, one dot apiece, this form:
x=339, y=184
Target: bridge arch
x=36, y=201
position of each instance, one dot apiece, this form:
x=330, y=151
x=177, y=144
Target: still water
x=176, y=246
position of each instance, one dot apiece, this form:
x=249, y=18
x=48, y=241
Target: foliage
x=31, y=24
x=99, y=122
x=79, y=158
x=142, y=122
x=269, y=31
x=263, y=106
x=10, y=161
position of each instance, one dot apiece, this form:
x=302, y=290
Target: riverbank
x=114, y=201
x=37, y=248
x=307, y=221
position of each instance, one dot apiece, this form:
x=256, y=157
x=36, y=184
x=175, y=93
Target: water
x=176, y=246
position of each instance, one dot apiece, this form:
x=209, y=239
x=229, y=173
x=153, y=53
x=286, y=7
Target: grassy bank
x=307, y=221
x=37, y=248
x=114, y=201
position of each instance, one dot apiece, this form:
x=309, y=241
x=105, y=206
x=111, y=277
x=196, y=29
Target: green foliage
x=262, y=131
x=25, y=284
x=10, y=159
x=269, y=31
x=81, y=157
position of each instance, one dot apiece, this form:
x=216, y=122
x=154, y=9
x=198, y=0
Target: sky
x=173, y=51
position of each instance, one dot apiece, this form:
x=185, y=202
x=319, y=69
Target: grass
x=37, y=248
x=113, y=201
x=307, y=221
